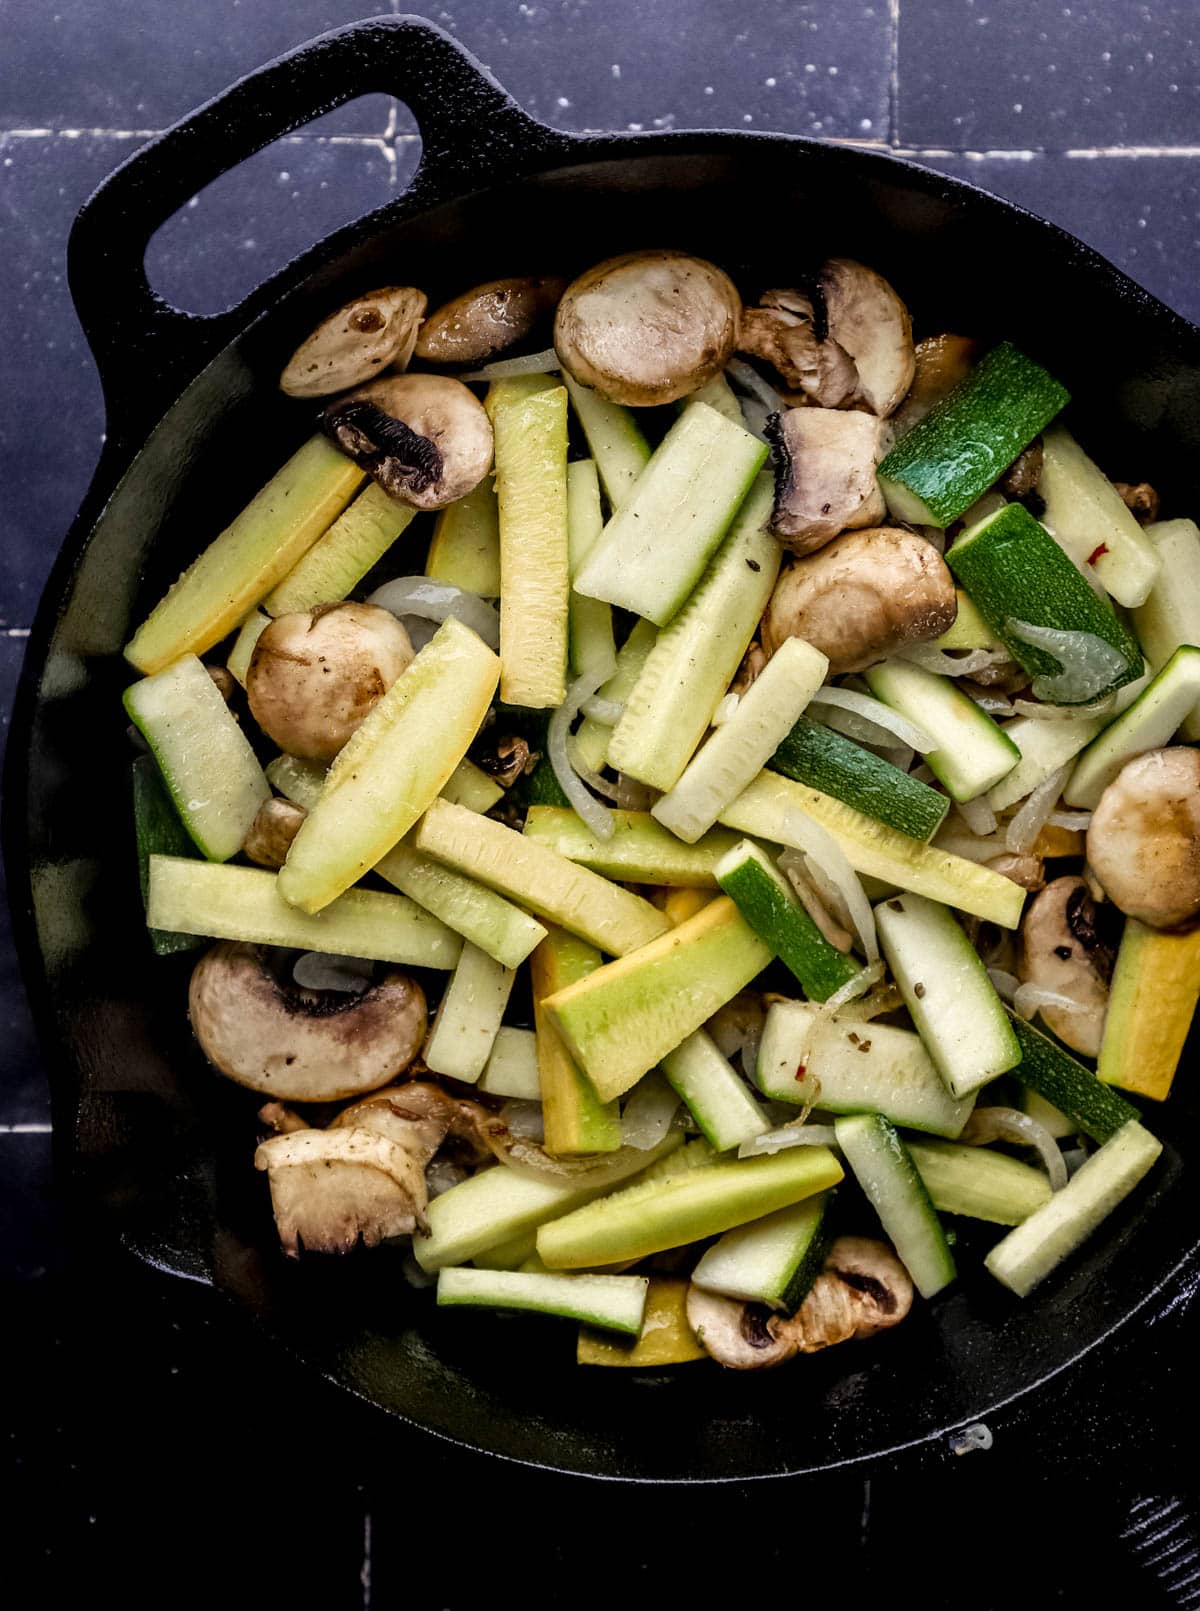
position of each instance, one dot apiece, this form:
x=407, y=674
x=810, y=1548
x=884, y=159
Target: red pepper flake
x=1100, y=548
x=801, y=1071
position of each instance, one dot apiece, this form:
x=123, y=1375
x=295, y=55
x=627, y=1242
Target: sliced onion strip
x=1062, y=713
x=1030, y=998
x=1029, y=821
x=879, y=715
x=531, y=363
x=1087, y=663
x=649, y=1113
x=952, y=665
x=435, y=601
x=597, y=817
x=788, y=1135
x=977, y=815
x=1006, y=1124
x=826, y=860
x=746, y=377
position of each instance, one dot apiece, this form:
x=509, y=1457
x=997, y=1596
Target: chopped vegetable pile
x=793, y=862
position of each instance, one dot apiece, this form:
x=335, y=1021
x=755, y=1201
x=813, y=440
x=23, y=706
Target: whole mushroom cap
x=356, y=342
x=296, y=1045
x=480, y=323
x=315, y=676
x=647, y=327
x=1143, y=843
x=426, y=439
x=862, y=597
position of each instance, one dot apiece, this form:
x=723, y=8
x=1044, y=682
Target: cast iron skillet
x=159, y=1150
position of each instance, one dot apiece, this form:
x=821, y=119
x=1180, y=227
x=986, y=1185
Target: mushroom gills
x=825, y=475
x=295, y=1045
x=425, y=438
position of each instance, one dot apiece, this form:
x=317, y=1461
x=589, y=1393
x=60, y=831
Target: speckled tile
x=51, y=415
x=1142, y=212
x=259, y=216
x=214, y=251
x=1034, y=74
x=141, y=64
x=806, y=66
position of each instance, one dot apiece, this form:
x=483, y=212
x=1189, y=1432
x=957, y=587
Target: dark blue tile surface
x=1142, y=212
x=808, y=66
x=1030, y=74
x=255, y=219
x=140, y=64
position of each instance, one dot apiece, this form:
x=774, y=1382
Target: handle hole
x=240, y=229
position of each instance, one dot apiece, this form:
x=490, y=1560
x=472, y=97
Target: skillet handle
x=146, y=349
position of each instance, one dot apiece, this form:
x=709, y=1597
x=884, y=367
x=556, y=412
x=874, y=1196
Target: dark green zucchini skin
x=822, y=759
x=159, y=832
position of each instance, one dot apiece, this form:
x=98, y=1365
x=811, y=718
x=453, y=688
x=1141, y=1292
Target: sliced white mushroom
x=1062, y=952
x=359, y=341
x=261, y=1030
x=825, y=479
x=1143, y=843
x=426, y=439
x=647, y=327
x=781, y=332
x=272, y=831
x=331, y=1188
x=868, y=320
x=315, y=676
x=481, y=323
x=863, y=1289
x=940, y=363
x=862, y=597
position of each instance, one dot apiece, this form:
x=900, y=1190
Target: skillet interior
x=162, y=1149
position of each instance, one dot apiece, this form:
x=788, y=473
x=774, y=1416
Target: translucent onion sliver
x=532, y=363
x=823, y=851
x=435, y=601
x=877, y=714
x=1029, y=821
x=947, y=665
x=1006, y=1124
x=649, y=1113
x=597, y=817
x=1087, y=663
x=788, y=1135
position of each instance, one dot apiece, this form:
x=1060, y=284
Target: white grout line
x=894, y=71
x=364, y=1576
x=26, y=1129
x=1133, y=151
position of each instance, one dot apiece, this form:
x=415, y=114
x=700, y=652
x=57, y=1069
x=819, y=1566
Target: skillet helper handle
x=146, y=349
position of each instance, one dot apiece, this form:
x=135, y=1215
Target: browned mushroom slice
x=1024, y=473
x=940, y=363
x=426, y=439
x=647, y=327
x=301, y=1045
x=781, y=332
x=824, y=475
x=1063, y=951
x=329, y=1188
x=356, y=343
x=863, y=1289
x=481, y=323
x=1025, y=870
x=862, y=597
x=272, y=831
x=868, y=320
x=315, y=676
x=1141, y=499
x=422, y=1103
x=1143, y=843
